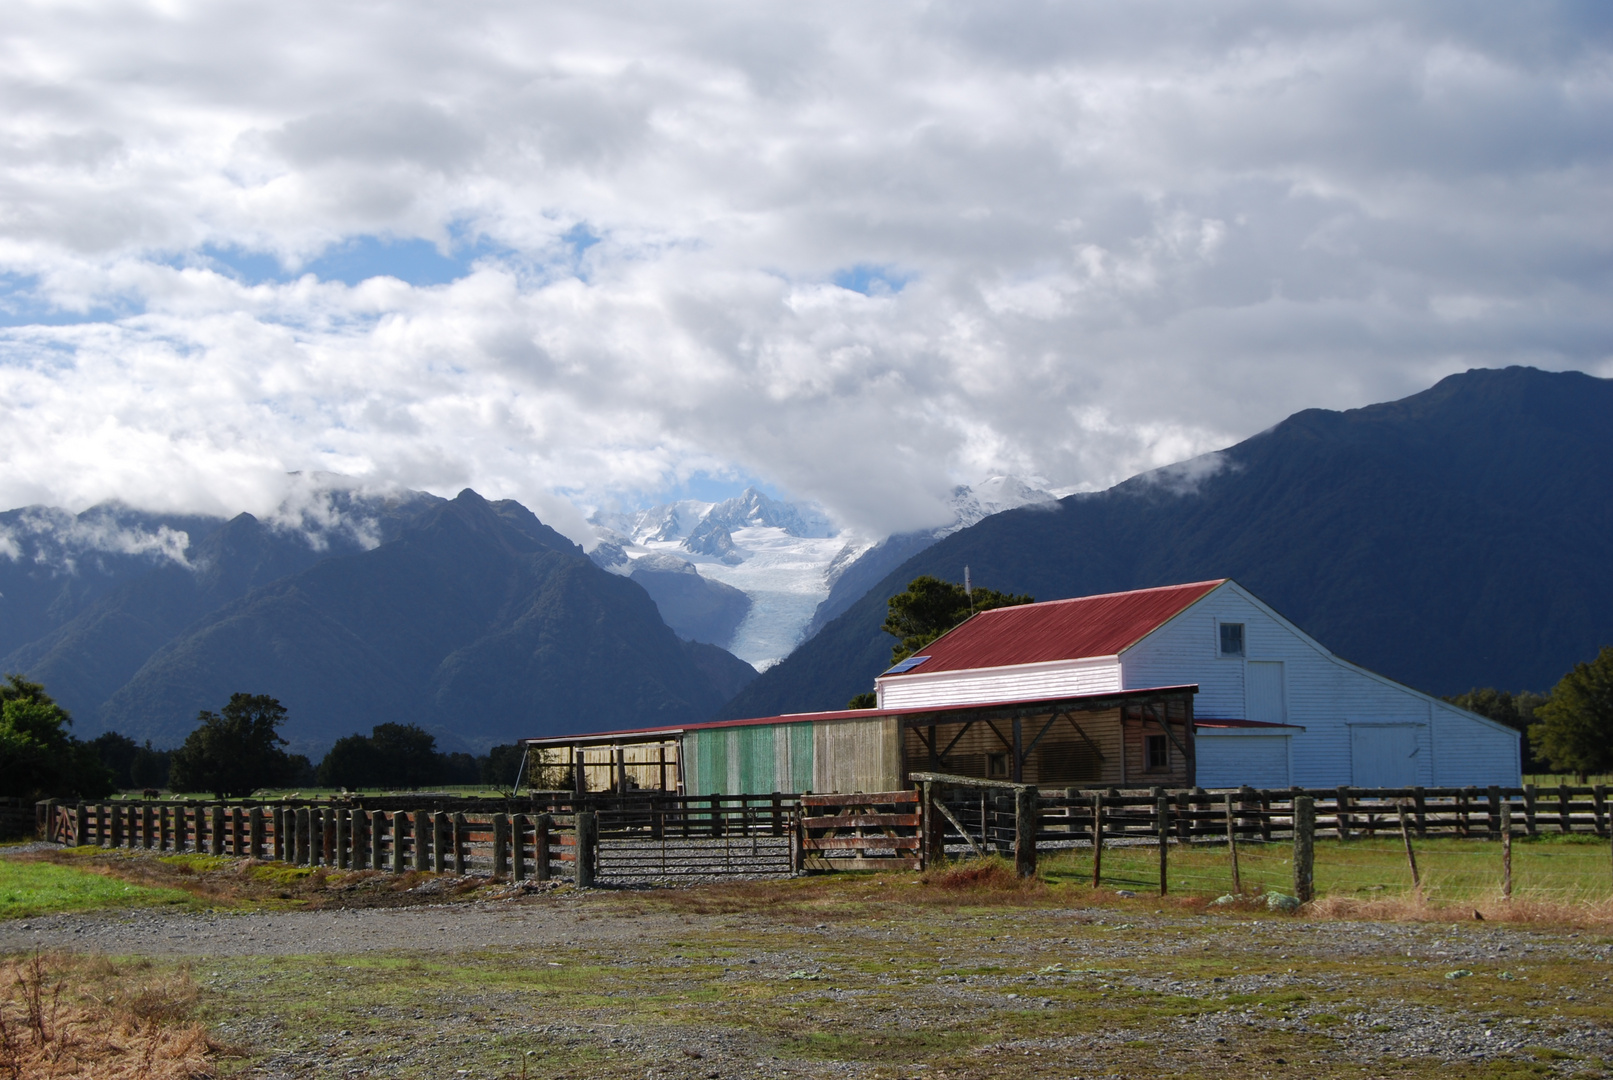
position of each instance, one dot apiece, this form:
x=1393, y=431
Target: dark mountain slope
x=1462, y=536
x=478, y=622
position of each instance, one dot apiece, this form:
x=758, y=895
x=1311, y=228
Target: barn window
x=1232, y=639
x=996, y=765
x=1159, y=755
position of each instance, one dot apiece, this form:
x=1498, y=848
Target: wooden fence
x=878, y=831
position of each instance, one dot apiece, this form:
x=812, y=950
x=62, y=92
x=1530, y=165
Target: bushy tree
x=1516, y=711
x=39, y=757
x=236, y=750
x=1573, y=731
x=132, y=765
x=502, y=765
x=394, y=756
x=867, y=700
x=930, y=607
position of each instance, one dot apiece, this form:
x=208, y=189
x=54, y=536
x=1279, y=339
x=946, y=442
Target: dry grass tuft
x=1583, y=914
x=87, y=1018
x=981, y=875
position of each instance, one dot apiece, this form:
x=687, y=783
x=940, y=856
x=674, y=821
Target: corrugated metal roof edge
x=841, y=714
x=1213, y=583
x=1211, y=722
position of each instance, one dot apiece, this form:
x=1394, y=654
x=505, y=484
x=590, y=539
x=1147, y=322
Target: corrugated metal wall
x=834, y=756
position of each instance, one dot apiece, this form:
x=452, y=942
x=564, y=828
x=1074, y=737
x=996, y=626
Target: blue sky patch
x=21, y=305
x=872, y=280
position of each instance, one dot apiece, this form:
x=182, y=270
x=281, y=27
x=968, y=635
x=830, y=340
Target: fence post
x=459, y=840
x=378, y=839
x=215, y=829
x=778, y=813
x=1599, y=808
x=277, y=820
x=299, y=835
x=237, y=831
x=1097, y=838
x=518, y=825
x=80, y=829
x=360, y=832
x=1025, y=822
x=344, y=834
x=1343, y=814
x=1529, y=809
x=439, y=841
x=117, y=826
x=1565, y=820
x=1162, y=808
x=1506, y=851
x=1304, y=848
x=254, y=825
x=501, y=846
x=1419, y=798
x=1232, y=848
x=588, y=840
x=316, y=836
x=1411, y=856
x=400, y=841
x=1492, y=813
x=146, y=822
x=540, y=846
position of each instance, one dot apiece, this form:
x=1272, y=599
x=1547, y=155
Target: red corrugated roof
x=1059, y=629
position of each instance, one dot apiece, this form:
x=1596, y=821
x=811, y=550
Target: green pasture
x=39, y=888
x=1570, y=868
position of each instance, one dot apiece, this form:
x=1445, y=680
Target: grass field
x=1565, y=869
x=38, y=888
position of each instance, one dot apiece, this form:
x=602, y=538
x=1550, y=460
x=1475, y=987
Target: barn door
x=1383, y=755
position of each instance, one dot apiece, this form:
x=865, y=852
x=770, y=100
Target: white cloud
x=1123, y=236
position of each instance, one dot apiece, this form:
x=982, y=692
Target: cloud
x=577, y=256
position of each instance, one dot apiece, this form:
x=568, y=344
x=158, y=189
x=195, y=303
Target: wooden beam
x=1096, y=749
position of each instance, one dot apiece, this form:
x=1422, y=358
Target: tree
x=1574, y=729
x=930, y=607
x=235, y=751
x=868, y=700
x=39, y=757
x=502, y=764
x=393, y=756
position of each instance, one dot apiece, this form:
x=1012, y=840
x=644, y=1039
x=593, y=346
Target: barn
x=1198, y=684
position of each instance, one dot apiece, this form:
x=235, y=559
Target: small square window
x=1159, y=753
x=1232, y=639
x=996, y=765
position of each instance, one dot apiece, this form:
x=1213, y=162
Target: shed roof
x=1103, y=625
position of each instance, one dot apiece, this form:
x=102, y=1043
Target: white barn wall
x=1324, y=694
x=1060, y=678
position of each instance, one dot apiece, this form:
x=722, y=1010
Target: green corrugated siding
x=748, y=760
x=800, y=778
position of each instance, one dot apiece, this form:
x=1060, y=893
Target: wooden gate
x=879, y=831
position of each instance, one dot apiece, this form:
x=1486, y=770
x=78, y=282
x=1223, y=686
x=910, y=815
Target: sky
x=602, y=254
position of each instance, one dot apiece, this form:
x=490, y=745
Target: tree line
x=230, y=753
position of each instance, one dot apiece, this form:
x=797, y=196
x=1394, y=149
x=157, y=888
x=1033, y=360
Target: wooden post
x=117, y=826
x=778, y=813
x=1506, y=851
x=1464, y=813
x=518, y=828
x=361, y=838
x=254, y=823
x=316, y=835
x=422, y=845
x=461, y=831
x=1025, y=821
x=1343, y=814
x=299, y=836
x=501, y=846
x=1411, y=856
x=1304, y=848
x=1097, y=838
x=1565, y=818
x=1492, y=813
x=378, y=839
x=1232, y=848
x=215, y=829
x=439, y=841
x=277, y=819
x=587, y=841
x=237, y=830
x=1184, y=817
x=934, y=843
x=1162, y=808
x=330, y=836
x=1265, y=816
x=148, y=823
x=1419, y=798
x=344, y=838
x=1529, y=809
x=81, y=830
x=1599, y=808
x=541, y=826
x=400, y=841
x=716, y=815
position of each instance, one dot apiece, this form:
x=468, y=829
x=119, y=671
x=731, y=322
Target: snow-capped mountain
x=788, y=559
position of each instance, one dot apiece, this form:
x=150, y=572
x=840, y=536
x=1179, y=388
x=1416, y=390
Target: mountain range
x=1460, y=537
x=469, y=617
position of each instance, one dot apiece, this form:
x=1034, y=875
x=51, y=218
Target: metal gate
x=694, y=837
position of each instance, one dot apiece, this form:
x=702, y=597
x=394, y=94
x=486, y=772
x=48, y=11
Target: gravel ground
x=947, y=967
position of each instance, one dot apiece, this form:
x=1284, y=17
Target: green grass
x=1571, y=868
x=38, y=888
